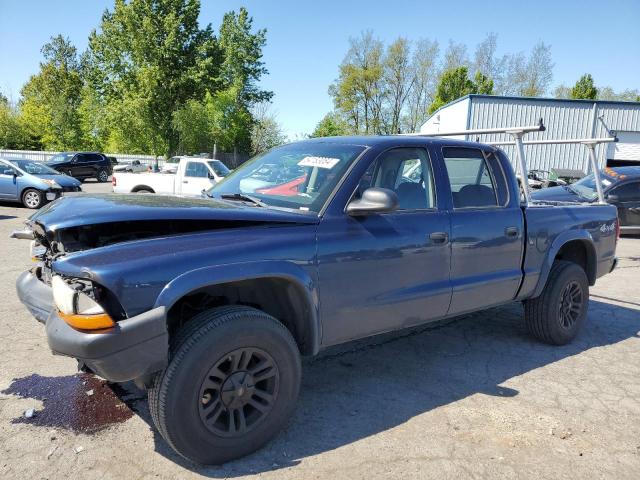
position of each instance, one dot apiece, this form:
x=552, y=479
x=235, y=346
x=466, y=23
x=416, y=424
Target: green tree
x=50, y=99
x=359, y=93
x=11, y=132
x=242, y=56
x=453, y=84
x=147, y=60
x=483, y=84
x=331, y=125
x=584, y=88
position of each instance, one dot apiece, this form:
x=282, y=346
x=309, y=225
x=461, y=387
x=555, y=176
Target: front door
x=386, y=271
x=8, y=182
x=196, y=179
x=487, y=231
x=627, y=201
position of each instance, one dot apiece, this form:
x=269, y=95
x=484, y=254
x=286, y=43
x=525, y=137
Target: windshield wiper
x=243, y=198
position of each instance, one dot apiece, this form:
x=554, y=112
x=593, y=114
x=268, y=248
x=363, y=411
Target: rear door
x=487, y=230
x=381, y=272
x=195, y=179
x=82, y=165
x=628, y=203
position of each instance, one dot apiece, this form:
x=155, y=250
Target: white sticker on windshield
x=605, y=182
x=320, y=162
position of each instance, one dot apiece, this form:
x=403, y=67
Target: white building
x=562, y=119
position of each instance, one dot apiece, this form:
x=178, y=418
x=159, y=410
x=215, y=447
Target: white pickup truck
x=193, y=175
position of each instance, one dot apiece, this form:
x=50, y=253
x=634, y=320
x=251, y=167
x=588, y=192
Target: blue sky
x=308, y=39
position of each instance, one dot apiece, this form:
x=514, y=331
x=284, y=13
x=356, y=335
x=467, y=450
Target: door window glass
x=406, y=171
x=196, y=169
x=470, y=179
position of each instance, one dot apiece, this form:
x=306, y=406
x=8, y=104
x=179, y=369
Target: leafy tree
x=11, y=133
x=266, y=132
x=148, y=59
x=221, y=118
x=331, y=125
x=453, y=84
x=358, y=92
x=50, y=99
x=584, y=88
x=482, y=84
x=242, y=53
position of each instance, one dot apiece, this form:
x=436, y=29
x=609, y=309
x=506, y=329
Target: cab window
x=472, y=184
x=406, y=171
x=196, y=169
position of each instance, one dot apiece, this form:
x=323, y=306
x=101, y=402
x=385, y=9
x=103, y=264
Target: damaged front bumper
x=133, y=350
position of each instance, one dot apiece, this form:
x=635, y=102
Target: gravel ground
x=472, y=398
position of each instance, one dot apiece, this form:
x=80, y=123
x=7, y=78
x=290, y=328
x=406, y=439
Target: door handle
x=439, y=238
x=511, y=232
x=185, y=181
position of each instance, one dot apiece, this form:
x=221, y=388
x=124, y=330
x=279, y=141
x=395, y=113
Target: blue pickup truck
x=209, y=302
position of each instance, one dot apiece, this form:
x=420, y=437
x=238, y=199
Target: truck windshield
x=299, y=176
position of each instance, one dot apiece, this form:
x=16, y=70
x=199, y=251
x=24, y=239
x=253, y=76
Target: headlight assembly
x=51, y=183
x=78, y=309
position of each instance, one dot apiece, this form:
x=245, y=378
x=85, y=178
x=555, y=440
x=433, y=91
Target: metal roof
x=471, y=96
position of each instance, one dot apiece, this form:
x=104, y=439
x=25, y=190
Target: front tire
x=32, y=198
x=556, y=316
x=230, y=386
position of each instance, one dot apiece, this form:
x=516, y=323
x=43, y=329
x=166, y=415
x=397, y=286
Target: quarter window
x=472, y=184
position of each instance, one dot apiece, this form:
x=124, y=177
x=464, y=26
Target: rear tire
x=102, y=175
x=556, y=316
x=32, y=198
x=230, y=386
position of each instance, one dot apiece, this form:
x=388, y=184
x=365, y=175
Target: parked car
x=209, y=302
x=621, y=188
x=82, y=165
x=132, y=167
x=33, y=183
x=193, y=175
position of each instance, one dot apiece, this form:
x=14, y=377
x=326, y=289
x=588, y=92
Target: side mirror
x=373, y=200
x=612, y=198
x=9, y=171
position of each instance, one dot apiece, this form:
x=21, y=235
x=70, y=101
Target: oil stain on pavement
x=81, y=403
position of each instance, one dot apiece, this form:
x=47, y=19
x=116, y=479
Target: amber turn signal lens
x=100, y=321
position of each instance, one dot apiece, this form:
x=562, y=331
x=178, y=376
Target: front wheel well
x=279, y=297
x=583, y=254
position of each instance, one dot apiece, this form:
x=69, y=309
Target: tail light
x=113, y=180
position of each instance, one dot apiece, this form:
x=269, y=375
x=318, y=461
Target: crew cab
x=210, y=302
x=192, y=176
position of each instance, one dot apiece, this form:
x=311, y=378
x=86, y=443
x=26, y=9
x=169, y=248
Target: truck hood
x=88, y=221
